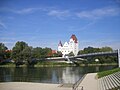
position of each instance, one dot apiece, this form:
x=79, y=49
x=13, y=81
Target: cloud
x=99, y=13
x=2, y=25
x=59, y=13
x=21, y=11
x=50, y=11
x=55, y=12
x=26, y=10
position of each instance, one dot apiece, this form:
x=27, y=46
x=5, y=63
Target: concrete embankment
x=31, y=86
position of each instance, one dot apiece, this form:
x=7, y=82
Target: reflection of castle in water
x=69, y=75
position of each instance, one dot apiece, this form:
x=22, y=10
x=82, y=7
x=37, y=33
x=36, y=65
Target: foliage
x=94, y=50
x=58, y=54
x=4, y=52
x=102, y=59
x=71, y=54
x=51, y=63
x=22, y=53
x=19, y=51
x=37, y=52
x=105, y=73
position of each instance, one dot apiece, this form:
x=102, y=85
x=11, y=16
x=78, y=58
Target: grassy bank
x=105, y=64
x=105, y=73
x=39, y=64
x=51, y=64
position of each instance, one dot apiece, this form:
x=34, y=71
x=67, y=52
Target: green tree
x=89, y=50
x=46, y=52
x=71, y=54
x=18, y=51
x=102, y=59
x=37, y=52
x=3, y=53
x=27, y=54
x=106, y=49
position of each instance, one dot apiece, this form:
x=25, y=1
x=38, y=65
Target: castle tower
x=60, y=46
x=73, y=44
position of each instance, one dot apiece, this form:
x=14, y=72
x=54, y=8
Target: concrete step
x=117, y=73
x=110, y=82
x=107, y=82
x=117, y=80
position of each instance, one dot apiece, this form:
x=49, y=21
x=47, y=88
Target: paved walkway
x=89, y=82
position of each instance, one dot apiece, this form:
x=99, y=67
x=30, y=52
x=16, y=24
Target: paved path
x=31, y=86
x=89, y=82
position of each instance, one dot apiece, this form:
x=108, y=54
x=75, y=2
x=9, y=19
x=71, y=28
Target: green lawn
x=105, y=73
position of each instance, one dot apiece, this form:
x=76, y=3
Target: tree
x=106, y=49
x=103, y=59
x=3, y=53
x=37, y=52
x=89, y=50
x=27, y=54
x=46, y=52
x=18, y=51
x=71, y=54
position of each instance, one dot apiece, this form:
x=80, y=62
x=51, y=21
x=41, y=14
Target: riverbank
x=56, y=64
x=108, y=72
x=31, y=86
x=90, y=77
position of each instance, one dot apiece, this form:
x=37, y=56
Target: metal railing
x=76, y=85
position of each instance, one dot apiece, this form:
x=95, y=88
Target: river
x=48, y=74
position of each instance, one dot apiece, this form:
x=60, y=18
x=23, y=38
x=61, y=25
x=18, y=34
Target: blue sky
x=43, y=23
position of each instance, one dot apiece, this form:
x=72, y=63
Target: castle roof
x=60, y=44
x=74, y=38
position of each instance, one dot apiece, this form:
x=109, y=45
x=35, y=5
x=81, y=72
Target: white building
x=71, y=46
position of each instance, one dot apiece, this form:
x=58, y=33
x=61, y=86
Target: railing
x=98, y=53
x=76, y=85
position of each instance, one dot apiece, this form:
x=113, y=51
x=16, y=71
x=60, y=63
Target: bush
x=105, y=73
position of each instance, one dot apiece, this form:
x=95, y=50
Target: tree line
x=102, y=59
x=23, y=53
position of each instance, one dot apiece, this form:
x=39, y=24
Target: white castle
x=68, y=47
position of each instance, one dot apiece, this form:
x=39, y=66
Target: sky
x=43, y=23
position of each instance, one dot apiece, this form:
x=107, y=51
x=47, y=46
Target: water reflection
x=47, y=74
x=70, y=75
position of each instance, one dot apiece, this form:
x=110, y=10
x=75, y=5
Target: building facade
x=68, y=47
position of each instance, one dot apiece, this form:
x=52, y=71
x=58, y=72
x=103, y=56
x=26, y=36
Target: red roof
x=74, y=38
x=54, y=51
x=60, y=44
x=8, y=50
